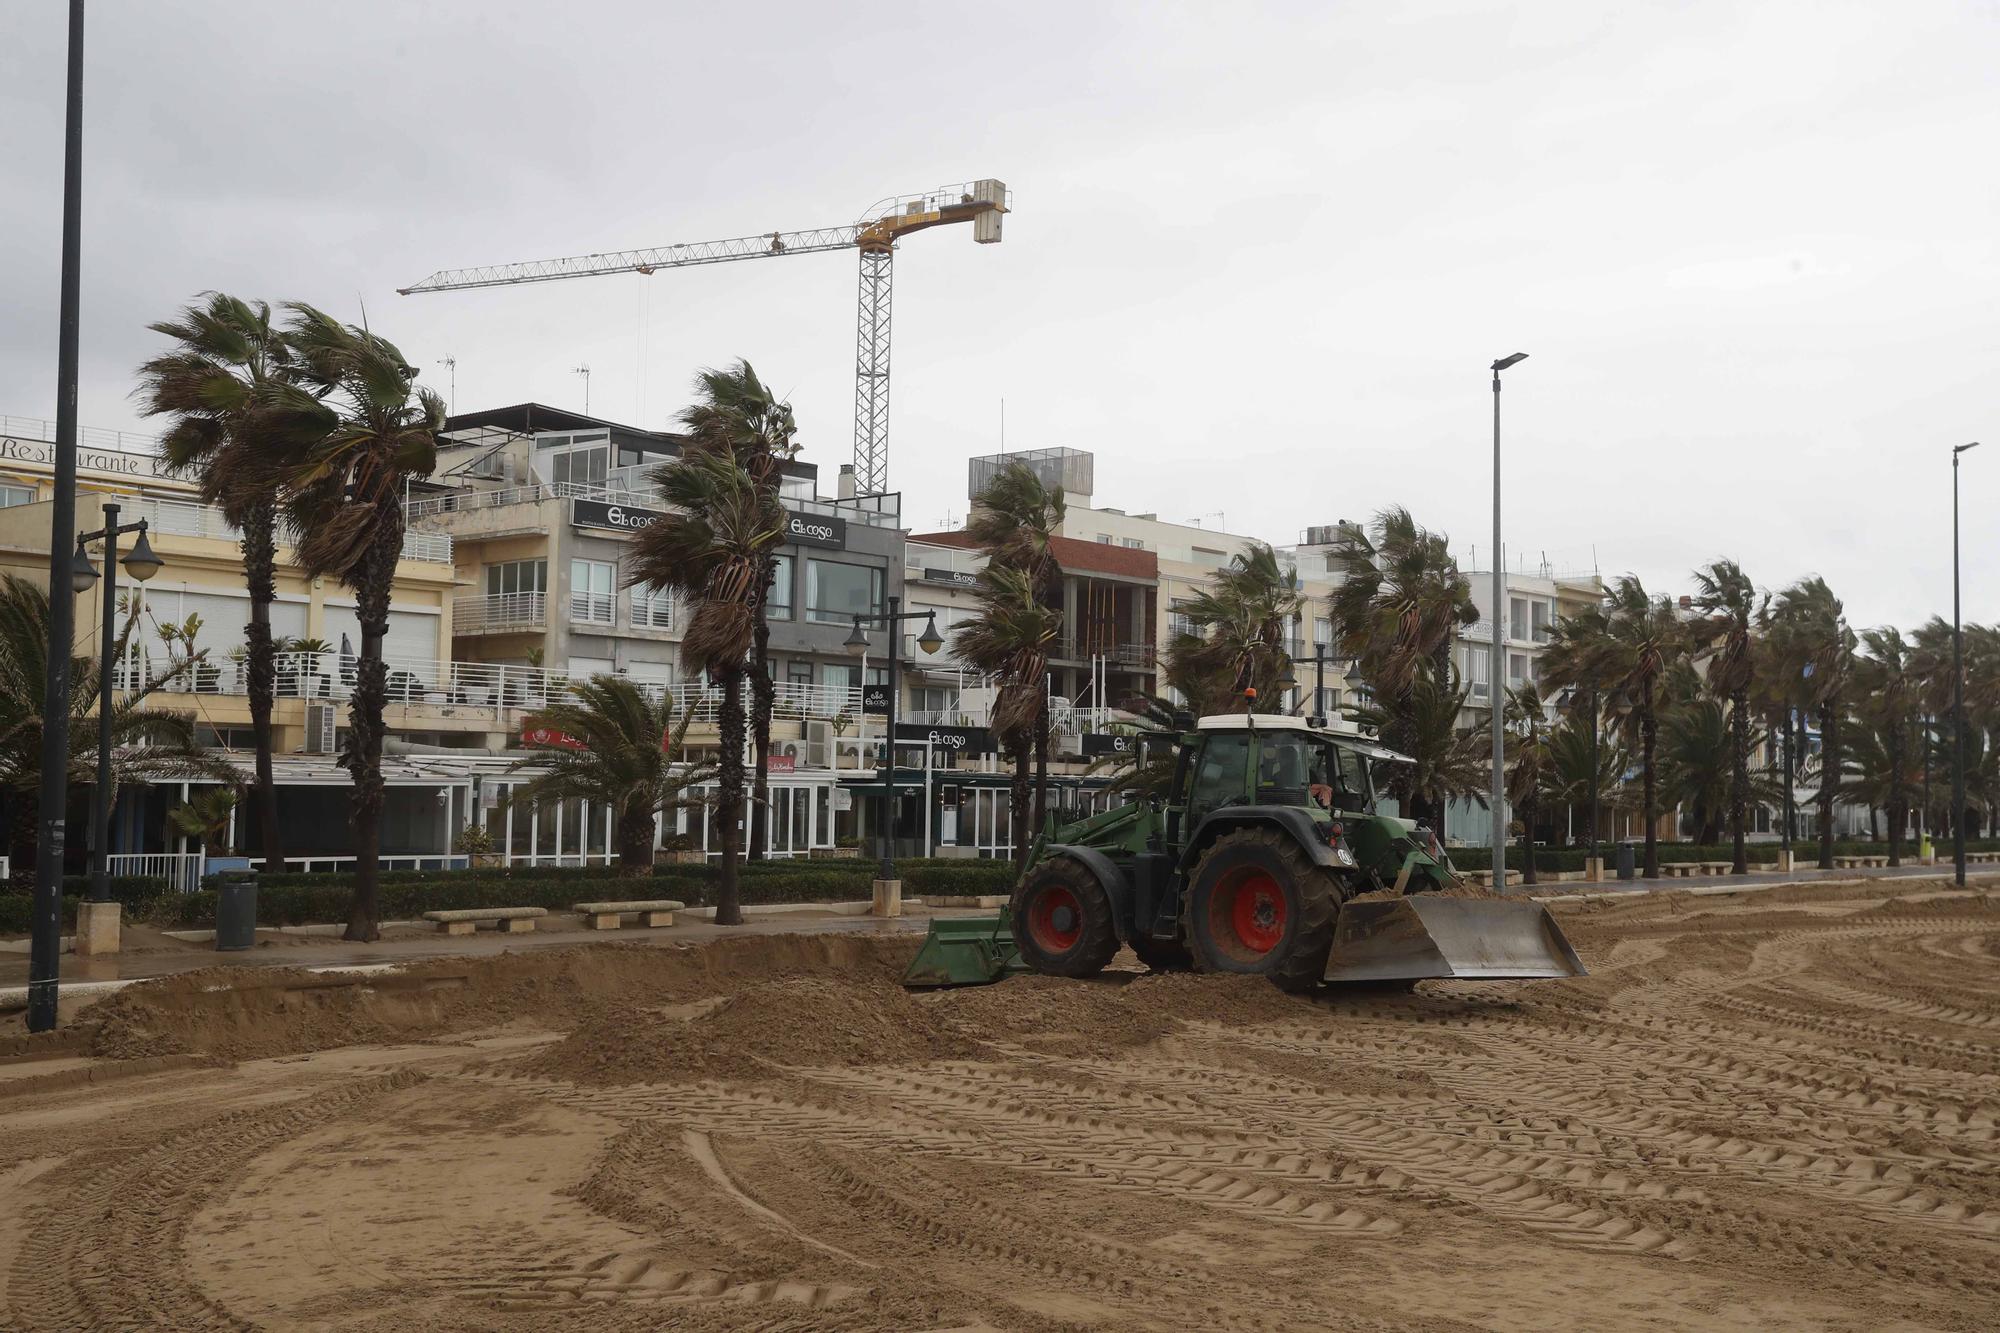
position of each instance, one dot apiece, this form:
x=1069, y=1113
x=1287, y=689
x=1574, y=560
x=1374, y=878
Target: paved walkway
x=1755, y=879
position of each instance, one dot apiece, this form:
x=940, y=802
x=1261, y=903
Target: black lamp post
x=141, y=564
x=857, y=643
x=45, y=923
x=1957, y=689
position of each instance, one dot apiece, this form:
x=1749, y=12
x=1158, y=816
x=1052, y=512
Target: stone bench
x=1859, y=862
x=653, y=912
x=463, y=921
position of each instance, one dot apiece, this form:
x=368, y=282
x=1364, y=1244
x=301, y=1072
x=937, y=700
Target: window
x=16, y=495
x=582, y=468
x=1328, y=702
x=1478, y=670
x=1323, y=631
x=652, y=608
x=590, y=584
x=836, y=593
x=1517, y=617
x=778, y=606
x=1132, y=542
x=1544, y=614
x=1104, y=539
x=517, y=576
x=1517, y=669
x=799, y=671
x=1220, y=775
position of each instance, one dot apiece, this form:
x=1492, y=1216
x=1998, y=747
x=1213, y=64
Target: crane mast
x=875, y=234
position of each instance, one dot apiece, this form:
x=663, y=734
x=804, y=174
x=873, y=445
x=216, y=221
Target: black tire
x=1163, y=955
x=1257, y=903
x=1062, y=920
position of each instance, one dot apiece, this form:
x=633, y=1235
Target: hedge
x=1806, y=853
x=281, y=901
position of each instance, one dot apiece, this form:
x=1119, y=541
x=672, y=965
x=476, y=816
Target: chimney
x=844, y=488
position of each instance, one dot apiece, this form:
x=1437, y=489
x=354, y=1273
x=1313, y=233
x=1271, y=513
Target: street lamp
x=1957, y=689
x=857, y=643
x=141, y=564
x=1498, y=660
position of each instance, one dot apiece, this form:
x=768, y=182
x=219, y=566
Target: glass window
x=1517, y=668
x=1517, y=617
x=1353, y=780
x=836, y=592
x=778, y=606
x=517, y=576
x=583, y=468
x=1284, y=769
x=652, y=608
x=1132, y=542
x=1219, y=778
x=16, y=495
x=590, y=595
x=1323, y=630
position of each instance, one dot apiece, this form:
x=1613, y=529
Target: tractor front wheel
x=1062, y=920
x=1257, y=903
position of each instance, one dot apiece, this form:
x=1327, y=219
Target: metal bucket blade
x=1422, y=937
x=965, y=951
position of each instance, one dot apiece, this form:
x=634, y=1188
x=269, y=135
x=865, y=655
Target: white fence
x=500, y=611
x=181, y=870
x=185, y=518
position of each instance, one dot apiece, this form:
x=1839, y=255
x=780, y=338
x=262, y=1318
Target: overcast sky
x=1259, y=260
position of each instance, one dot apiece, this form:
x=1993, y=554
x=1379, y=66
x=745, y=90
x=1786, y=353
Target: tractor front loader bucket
x=965, y=951
x=1425, y=936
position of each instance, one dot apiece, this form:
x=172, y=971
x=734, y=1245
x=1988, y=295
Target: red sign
x=780, y=763
x=534, y=733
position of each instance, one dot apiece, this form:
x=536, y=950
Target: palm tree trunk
x=1649, y=735
x=362, y=756
x=1829, y=772
x=635, y=841
x=731, y=726
x=1041, y=765
x=1739, y=782
x=1527, y=845
x=762, y=695
x=260, y=555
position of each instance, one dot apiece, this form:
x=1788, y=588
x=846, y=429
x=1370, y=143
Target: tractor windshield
x=1312, y=772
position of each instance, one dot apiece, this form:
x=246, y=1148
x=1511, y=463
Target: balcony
x=643, y=497
x=500, y=613
x=182, y=518
x=1118, y=654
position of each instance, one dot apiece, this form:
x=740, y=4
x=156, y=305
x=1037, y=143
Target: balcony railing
x=1120, y=654
x=642, y=497
x=500, y=613
x=183, y=518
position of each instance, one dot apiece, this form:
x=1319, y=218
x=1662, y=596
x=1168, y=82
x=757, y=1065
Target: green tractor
x=1252, y=863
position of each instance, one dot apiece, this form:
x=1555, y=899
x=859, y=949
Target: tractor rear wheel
x=1257, y=903
x=1062, y=920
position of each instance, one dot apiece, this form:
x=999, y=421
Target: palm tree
x=1400, y=601
x=1887, y=692
x=1698, y=771
x=1815, y=647
x=1728, y=601
x=1625, y=648
x=737, y=413
x=1015, y=522
x=712, y=551
x=1452, y=763
x=1011, y=638
x=211, y=386
x=628, y=763
x=1238, y=645
x=1880, y=770
x=148, y=745
x=1530, y=771
x=1573, y=780
x=1398, y=605
x=205, y=817
x=370, y=430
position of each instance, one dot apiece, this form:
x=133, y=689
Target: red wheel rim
x=1257, y=911
x=1055, y=920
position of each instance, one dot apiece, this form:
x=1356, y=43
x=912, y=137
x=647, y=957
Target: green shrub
x=1806, y=853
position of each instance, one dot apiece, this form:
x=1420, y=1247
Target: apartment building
x=197, y=603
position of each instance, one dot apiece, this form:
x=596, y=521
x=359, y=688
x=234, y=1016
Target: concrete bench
x=653, y=912
x=463, y=921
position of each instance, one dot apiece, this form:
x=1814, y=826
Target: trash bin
x=1627, y=863
x=235, y=909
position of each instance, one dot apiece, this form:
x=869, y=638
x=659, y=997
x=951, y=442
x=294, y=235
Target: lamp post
x=141, y=564
x=45, y=922
x=1319, y=685
x=857, y=643
x=1957, y=689
x=1498, y=661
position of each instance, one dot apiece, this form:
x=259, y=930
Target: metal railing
x=423, y=861
x=1121, y=654
x=186, y=518
x=89, y=437
x=499, y=611
x=468, y=500
x=181, y=870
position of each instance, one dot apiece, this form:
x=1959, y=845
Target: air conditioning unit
x=319, y=728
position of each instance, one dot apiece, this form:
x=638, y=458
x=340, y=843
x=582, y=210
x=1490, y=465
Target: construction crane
x=982, y=203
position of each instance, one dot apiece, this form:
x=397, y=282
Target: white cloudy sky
x=1260, y=255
